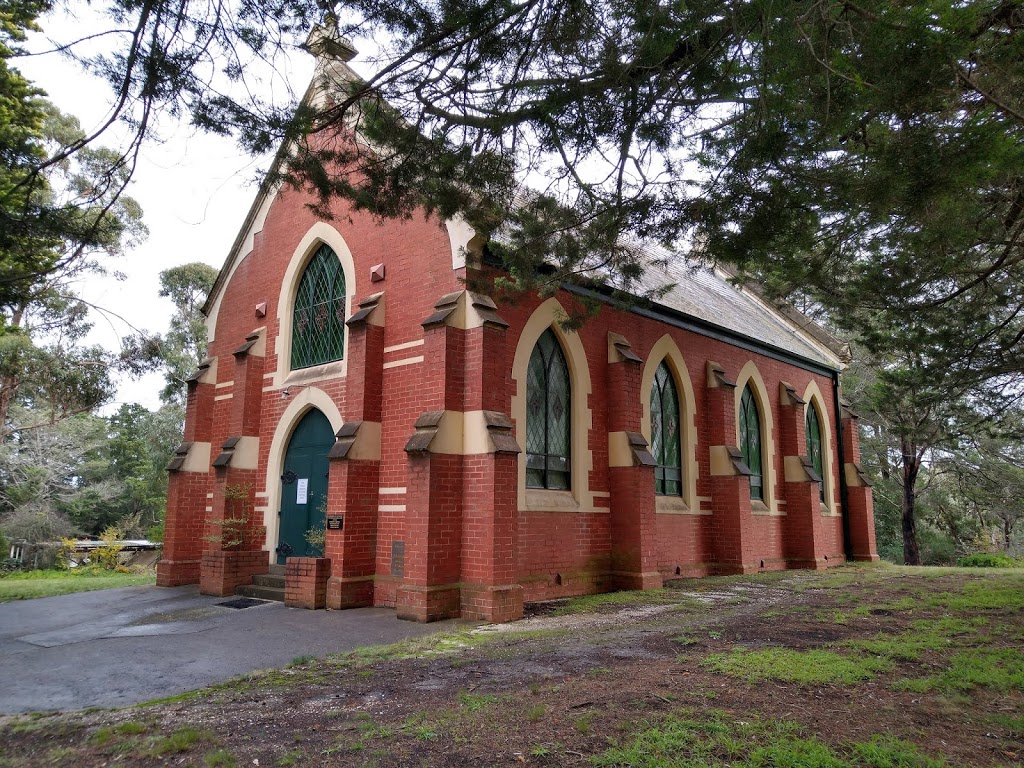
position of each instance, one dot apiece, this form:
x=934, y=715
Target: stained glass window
x=668, y=474
x=814, y=446
x=548, y=422
x=318, y=320
x=750, y=442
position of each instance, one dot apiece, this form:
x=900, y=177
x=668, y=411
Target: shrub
x=65, y=554
x=109, y=554
x=987, y=560
x=236, y=530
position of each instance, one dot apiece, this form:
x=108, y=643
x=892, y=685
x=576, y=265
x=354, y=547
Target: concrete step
x=268, y=580
x=277, y=570
x=263, y=593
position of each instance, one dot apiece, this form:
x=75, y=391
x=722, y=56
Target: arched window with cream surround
x=814, y=446
x=548, y=416
x=318, y=316
x=750, y=442
x=665, y=433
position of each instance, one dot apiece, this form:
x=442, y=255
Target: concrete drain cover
x=243, y=602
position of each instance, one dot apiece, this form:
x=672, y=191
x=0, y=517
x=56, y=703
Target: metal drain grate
x=243, y=602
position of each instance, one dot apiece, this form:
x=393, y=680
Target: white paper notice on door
x=302, y=490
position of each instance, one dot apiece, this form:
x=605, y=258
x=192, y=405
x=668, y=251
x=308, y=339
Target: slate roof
x=705, y=293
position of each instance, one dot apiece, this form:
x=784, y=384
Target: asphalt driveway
x=123, y=646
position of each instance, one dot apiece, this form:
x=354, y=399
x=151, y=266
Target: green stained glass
x=665, y=434
x=548, y=421
x=318, y=319
x=814, y=452
x=750, y=442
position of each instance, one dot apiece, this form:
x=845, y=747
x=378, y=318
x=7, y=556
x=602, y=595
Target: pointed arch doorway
x=304, y=484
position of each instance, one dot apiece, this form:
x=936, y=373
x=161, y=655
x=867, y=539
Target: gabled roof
x=333, y=54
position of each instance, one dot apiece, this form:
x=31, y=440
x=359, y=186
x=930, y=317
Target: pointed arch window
x=548, y=416
x=814, y=451
x=665, y=438
x=750, y=442
x=318, y=318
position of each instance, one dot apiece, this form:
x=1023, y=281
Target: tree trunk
x=911, y=468
x=1007, y=532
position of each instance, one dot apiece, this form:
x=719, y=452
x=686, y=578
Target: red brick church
x=465, y=456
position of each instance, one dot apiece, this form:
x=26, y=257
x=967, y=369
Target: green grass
x=219, y=758
x=474, y=702
x=177, y=698
x=1014, y=724
x=926, y=635
x=131, y=727
x=710, y=740
x=292, y=757
x=815, y=667
x=181, y=740
x=27, y=585
x=999, y=669
x=989, y=594
x=440, y=643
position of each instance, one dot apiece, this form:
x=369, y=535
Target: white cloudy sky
x=195, y=190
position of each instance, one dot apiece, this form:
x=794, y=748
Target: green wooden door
x=304, y=485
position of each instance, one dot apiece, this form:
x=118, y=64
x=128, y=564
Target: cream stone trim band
x=247, y=453
x=223, y=397
x=727, y=461
x=796, y=470
x=224, y=384
x=391, y=491
x=403, y=361
x=405, y=345
x=463, y=434
x=209, y=373
x=255, y=343
x=628, y=449
x=391, y=507
x=198, y=460
x=855, y=477
x=366, y=446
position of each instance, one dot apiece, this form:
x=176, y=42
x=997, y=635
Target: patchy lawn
x=858, y=667
x=29, y=584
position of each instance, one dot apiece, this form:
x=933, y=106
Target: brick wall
x=447, y=528
x=305, y=582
